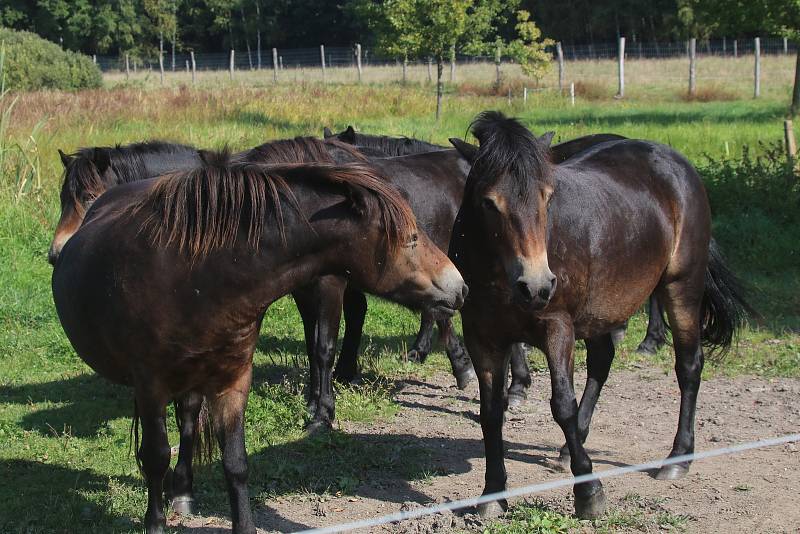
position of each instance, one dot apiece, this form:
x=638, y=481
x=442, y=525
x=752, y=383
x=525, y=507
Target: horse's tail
x=133, y=442
x=724, y=309
x=205, y=441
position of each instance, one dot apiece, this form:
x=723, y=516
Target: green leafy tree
x=528, y=49
x=426, y=29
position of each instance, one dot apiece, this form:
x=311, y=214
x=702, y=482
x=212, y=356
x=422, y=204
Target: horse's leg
x=154, y=455
x=520, y=375
x=683, y=303
x=491, y=366
x=187, y=412
x=306, y=302
x=422, y=343
x=355, y=310
x=656, y=328
x=590, y=499
x=456, y=353
x=227, y=411
x=327, y=296
x=599, y=355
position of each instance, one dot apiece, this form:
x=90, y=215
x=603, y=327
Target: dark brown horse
x=165, y=285
x=386, y=146
x=558, y=252
x=89, y=172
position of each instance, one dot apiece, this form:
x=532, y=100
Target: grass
x=64, y=431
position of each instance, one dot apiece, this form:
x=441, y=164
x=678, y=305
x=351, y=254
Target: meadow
x=64, y=432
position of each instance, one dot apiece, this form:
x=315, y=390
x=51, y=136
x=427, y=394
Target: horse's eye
x=490, y=205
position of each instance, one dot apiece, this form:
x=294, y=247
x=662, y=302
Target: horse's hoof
x=316, y=428
x=417, y=356
x=617, y=336
x=492, y=509
x=672, y=472
x=465, y=378
x=516, y=400
x=183, y=505
x=591, y=507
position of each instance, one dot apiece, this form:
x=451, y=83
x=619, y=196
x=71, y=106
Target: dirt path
x=756, y=491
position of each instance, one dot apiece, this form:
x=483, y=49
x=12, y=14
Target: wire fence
x=545, y=486
x=299, y=58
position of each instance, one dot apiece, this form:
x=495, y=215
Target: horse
x=165, y=285
x=89, y=172
x=558, y=252
x=385, y=146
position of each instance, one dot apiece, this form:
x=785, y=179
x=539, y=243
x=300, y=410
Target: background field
x=64, y=432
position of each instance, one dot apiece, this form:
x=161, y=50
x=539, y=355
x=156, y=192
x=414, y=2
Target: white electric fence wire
x=539, y=488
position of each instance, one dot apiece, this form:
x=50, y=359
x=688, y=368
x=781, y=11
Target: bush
x=756, y=206
x=33, y=63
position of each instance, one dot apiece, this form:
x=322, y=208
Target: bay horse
x=386, y=146
x=558, y=252
x=89, y=172
x=165, y=285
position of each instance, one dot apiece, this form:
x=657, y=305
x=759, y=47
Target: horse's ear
x=357, y=198
x=101, y=159
x=65, y=160
x=468, y=151
x=326, y=132
x=547, y=138
x=349, y=135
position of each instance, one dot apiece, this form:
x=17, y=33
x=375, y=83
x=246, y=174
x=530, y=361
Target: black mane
x=509, y=148
x=394, y=146
x=83, y=181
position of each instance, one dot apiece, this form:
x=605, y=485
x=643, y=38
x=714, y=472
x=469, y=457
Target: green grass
x=64, y=431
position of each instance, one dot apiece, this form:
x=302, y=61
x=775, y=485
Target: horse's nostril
x=524, y=291
x=464, y=292
x=544, y=293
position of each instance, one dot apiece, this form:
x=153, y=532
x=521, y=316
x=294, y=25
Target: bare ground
x=635, y=421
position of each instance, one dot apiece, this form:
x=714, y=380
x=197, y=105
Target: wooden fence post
x=430, y=70
x=187, y=67
x=405, y=69
x=230, y=66
x=524, y=95
x=275, y=65
x=621, y=62
x=757, y=70
x=280, y=60
x=724, y=46
x=692, y=66
x=785, y=46
x=572, y=93
x=127, y=66
x=322, y=58
x=497, y=65
x=161, y=65
x=358, y=61
x=560, y=56
x=735, y=48
x=194, y=65
x=791, y=143
x=453, y=64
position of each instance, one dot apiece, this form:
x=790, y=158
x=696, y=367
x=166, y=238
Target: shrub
x=34, y=63
x=756, y=205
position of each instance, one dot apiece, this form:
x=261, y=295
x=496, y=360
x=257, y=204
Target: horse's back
x=616, y=220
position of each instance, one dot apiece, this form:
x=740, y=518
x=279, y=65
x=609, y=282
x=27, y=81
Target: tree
x=427, y=28
x=529, y=48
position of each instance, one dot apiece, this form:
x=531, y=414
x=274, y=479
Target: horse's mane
x=82, y=179
x=298, y=150
x=394, y=146
x=204, y=209
x=508, y=147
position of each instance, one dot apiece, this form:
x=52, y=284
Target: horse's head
x=504, y=212
x=87, y=174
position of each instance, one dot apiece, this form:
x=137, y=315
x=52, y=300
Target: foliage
x=533, y=518
x=529, y=48
x=33, y=63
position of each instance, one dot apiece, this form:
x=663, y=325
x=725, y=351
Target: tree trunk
x=439, y=86
x=795, y=109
